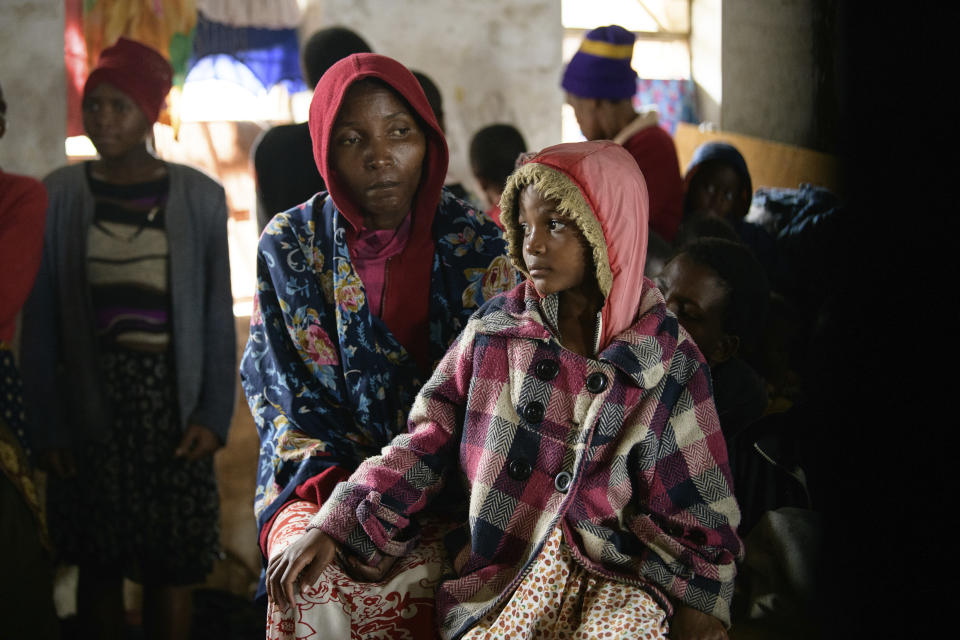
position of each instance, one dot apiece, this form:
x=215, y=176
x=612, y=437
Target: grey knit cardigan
x=63, y=390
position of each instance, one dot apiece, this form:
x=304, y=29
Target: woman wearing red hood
x=576, y=417
x=360, y=290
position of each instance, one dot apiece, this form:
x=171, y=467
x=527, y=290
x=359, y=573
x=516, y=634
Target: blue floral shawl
x=326, y=381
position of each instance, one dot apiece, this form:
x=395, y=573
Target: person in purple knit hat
x=600, y=84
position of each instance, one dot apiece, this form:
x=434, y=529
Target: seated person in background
x=436, y=103
x=719, y=293
x=600, y=85
x=283, y=155
x=359, y=294
x=717, y=183
x=493, y=157
x=573, y=419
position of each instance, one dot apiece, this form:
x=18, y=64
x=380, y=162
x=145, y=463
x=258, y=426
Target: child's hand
x=364, y=573
x=690, y=624
x=305, y=559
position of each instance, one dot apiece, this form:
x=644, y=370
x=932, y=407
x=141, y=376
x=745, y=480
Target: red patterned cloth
x=400, y=608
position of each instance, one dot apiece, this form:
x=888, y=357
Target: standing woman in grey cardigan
x=129, y=357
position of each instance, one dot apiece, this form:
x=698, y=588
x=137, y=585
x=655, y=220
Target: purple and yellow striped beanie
x=601, y=67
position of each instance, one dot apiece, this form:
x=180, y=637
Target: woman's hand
x=690, y=624
x=197, y=442
x=305, y=559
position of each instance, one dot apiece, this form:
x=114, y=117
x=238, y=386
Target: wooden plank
x=771, y=164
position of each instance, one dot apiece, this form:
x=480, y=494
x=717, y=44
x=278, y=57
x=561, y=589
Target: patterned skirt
x=558, y=598
x=399, y=608
x=134, y=508
x=15, y=459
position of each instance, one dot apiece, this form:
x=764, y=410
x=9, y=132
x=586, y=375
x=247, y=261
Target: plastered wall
x=33, y=80
x=767, y=67
x=706, y=54
x=756, y=69
x=494, y=61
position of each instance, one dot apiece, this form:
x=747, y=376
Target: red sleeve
x=23, y=209
x=656, y=155
x=316, y=490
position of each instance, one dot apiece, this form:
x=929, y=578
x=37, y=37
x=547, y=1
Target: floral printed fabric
x=326, y=381
x=560, y=599
x=15, y=459
x=399, y=608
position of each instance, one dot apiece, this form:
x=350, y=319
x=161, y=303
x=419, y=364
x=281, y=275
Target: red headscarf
x=406, y=297
x=139, y=71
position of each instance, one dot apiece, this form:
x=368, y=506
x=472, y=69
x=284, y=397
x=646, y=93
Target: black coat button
x=562, y=481
x=533, y=412
x=547, y=370
x=596, y=382
x=519, y=469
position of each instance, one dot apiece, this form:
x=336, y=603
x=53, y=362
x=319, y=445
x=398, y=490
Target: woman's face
x=377, y=150
x=113, y=121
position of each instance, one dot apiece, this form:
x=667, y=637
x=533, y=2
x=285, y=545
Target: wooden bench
x=771, y=164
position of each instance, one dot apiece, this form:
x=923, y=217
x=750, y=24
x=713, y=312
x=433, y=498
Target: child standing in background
x=493, y=157
x=576, y=417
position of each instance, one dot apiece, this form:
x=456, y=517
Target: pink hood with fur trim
x=613, y=197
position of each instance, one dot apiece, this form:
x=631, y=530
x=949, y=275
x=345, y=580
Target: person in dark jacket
x=283, y=155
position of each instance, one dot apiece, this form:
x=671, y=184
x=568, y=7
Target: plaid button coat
x=649, y=499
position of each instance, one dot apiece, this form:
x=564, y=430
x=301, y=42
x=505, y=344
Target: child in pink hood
x=574, y=421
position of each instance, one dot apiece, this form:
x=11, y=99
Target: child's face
x=698, y=297
x=554, y=249
x=716, y=190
